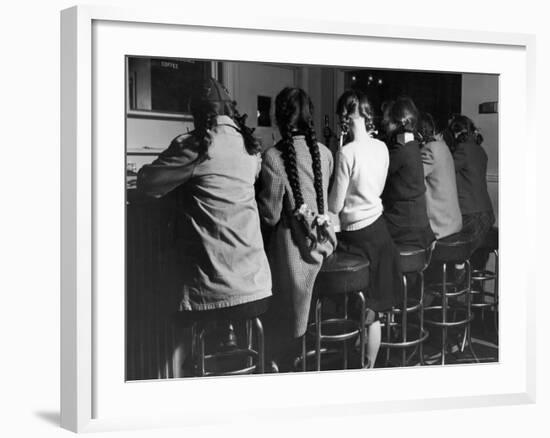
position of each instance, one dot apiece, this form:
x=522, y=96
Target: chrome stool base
x=449, y=291
x=334, y=331
x=479, y=277
x=413, y=262
x=252, y=355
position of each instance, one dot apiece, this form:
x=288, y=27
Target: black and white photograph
x=289, y=218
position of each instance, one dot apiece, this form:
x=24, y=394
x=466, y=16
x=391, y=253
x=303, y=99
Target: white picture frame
x=92, y=396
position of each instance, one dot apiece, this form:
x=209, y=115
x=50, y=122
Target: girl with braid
x=355, y=198
x=211, y=172
x=293, y=201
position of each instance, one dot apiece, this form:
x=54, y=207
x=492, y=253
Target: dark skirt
x=411, y=237
x=375, y=243
x=478, y=225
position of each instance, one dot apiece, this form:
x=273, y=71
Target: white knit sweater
x=360, y=174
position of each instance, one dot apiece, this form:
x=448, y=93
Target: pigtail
x=301, y=211
x=251, y=143
x=204, y=124
x=463, y=130
x=322, y=221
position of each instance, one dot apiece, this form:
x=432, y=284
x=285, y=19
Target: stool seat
x=342, y=273
x=454, y=248
x=251, y=310
x=413, y=259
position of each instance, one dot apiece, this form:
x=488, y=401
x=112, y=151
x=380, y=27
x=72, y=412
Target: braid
x=289, y=159
x=251, y=143
x=311, y=140
x=203, y=126
x=345, y=123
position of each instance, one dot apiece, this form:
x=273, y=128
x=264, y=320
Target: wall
x=476, y=89
x=245, y=82
x=152, y=135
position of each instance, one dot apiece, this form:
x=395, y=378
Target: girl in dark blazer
x=470, y=160
x=404, y=195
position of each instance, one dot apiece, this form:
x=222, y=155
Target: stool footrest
x=406, y=344
x=346, y=328
x=454, y=323
x=239, y=353
x=437, y=289
x=483, y=275
x=414, y=307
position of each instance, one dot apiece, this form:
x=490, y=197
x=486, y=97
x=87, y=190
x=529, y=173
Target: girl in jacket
x=212, y=171
x=355, y=198
x=439, y=177
x=404, y=196
x=470, y=161
x=292, y=200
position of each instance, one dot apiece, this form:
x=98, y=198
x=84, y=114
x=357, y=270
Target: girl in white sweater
x=359, y=178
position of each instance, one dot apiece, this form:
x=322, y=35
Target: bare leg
x=374, y=337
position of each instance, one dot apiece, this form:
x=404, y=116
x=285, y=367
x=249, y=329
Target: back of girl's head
x=354, y=103
x=210, y=100
x=426, y=128
x=293, y=110
x=400, y=116
x=462, y=129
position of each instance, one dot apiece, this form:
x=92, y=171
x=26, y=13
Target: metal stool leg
x=318, y=310
x=345, y=344
x=362, y=326
x=261, y=347
x=304, y=353
x=495, y=292
x=249, y=340
x=388, y=336
x=469, y=310
x=421, y=317
x=201, y=367
x=404, y=321
x=444, y=314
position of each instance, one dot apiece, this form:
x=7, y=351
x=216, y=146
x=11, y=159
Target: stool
x=480, y=276
x=341, y=275
x=454, y=249
x=413, y=261
x=202, y=323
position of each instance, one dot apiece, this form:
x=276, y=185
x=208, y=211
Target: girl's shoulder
x=324, y=151
x=273, y=155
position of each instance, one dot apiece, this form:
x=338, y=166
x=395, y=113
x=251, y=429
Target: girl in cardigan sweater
x=359, y=178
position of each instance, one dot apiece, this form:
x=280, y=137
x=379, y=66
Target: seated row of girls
x=455, y=168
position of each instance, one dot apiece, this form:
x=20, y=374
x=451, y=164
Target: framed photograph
x=140, y=91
